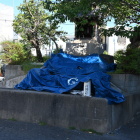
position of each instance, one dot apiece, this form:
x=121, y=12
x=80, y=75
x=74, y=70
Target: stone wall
x=128, y=83
x=10, y=83
x=12, y=71
x=13, y=75
x=67, y=111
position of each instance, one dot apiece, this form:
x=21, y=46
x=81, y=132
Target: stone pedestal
x=84, y=47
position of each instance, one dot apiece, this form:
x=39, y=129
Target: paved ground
x=14, y=130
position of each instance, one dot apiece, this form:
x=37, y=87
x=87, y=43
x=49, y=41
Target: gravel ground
x=15, y=130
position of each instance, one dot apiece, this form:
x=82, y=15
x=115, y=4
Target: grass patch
x=33, y=63
x=28, y=66
x=91, y=131
x=12, y=119
x=42, y=123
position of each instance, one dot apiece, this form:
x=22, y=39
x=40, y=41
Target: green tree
x=35, y=27
x=128, y=61
x=63, y=10
x=13, y=53
x=126, y=13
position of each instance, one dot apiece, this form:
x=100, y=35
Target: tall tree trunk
x=39, y=55
x=35, y=44
x=38, y=52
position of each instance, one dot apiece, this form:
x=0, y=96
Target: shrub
x=13, y=53
x=128, y=61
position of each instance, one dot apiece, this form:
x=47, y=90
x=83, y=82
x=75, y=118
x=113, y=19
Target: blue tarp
x=64, y=72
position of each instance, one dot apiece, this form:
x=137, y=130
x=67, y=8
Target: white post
x=87, y=88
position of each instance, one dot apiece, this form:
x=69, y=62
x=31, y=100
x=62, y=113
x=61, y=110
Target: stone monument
x=87, y=40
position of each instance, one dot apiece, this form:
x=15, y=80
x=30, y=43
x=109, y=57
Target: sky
x=13, y=3
x=67, y=27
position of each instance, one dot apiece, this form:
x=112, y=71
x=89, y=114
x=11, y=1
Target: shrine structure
x=87, y=39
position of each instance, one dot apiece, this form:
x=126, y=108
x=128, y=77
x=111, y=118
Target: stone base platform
x=82, y=49
x=66, y=110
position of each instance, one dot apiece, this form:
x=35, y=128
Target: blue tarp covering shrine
x=64, y=72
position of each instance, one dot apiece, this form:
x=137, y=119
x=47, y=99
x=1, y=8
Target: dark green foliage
x=126, y=13
x=128, y=61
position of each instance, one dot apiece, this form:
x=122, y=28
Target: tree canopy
x=126, y=13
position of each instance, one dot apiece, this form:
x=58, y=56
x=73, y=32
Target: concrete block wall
x=10, y=83
x=13, y=75
x=128, y=83
x=67, y=111
x=124, y=112
x=12, y=71
x=55, y=109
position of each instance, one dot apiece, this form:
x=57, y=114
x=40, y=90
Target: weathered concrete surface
x=18, y=130
x=80, y=49
x=124, y=112
x=54, y=109
x=67, y=110
x=128, y=83
x=10, y=83
x=13, y=75
x=12, y=71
